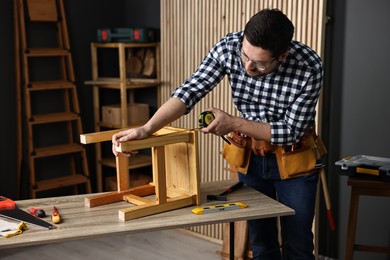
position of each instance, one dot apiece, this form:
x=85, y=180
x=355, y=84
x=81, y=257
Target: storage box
x=137, y=114
x=127, y=35
x=366, y=165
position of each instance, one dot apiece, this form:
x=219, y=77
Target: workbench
x=80, y=222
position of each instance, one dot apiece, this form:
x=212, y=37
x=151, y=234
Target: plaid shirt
x=285, y=98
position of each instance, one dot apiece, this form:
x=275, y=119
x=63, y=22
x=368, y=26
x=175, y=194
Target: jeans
x=297, y=193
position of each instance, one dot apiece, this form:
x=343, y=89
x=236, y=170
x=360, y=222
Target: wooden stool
x=176, y=179
x=369, y=187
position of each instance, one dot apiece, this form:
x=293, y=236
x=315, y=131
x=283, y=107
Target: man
x=275, y=86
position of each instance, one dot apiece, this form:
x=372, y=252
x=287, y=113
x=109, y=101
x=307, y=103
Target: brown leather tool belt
x=261, y=147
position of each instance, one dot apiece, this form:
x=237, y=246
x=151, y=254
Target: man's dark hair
x=271, y=30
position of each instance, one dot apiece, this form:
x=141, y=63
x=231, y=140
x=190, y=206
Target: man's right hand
x=127, y=135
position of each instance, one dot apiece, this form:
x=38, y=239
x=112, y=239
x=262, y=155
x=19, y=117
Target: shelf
x=135, y=161
x=137, y=69
x=115, y=83
x=125, y=45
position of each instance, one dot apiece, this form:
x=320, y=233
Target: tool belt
x=261, y=147
x=238, y=153
x=302, y=158
x=293, y=160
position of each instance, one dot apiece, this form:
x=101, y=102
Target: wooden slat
x=122, y=173
x=47, y=52
x=98, y=136
x=18, y=99
x=137, y=200
x=57, y=150
x=130, y=83
x=189, y=30
x=150, y=209
x=47, y=85
x=135, y=161
x=117, y=196
x=159, y=174
x=65, y=181
x=153, y=141
x=55, y=117
x=42, y=10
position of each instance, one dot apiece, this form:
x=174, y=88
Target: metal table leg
x=231, y=240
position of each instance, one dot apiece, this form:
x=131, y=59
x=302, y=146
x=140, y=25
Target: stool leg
x=353, y=213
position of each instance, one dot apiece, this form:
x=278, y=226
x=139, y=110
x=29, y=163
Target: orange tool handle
x=6, y=203
x=332, y=226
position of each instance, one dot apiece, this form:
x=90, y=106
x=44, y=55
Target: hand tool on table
x=8, y=209
x=223, y=195
x=40, y=213
x=219, y=207
x=55, y=217
x=205, y=118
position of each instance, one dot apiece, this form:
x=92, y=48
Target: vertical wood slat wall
x=188, y=31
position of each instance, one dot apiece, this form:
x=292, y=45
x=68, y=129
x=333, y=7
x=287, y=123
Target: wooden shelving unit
x=125, y=84
x=50, y=101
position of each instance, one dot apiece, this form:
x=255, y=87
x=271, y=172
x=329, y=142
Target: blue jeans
x=296, y=230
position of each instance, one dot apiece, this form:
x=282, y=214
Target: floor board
x=167, y=244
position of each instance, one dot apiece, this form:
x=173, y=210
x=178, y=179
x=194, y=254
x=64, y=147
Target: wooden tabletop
x=80, y=222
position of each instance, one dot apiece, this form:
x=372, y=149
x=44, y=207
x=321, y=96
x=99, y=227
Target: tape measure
x=205, y=118
x=219, y=207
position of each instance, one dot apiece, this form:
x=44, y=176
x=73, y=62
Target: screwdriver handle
x=6, y=203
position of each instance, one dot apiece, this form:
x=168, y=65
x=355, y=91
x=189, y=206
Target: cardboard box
x=137, y=114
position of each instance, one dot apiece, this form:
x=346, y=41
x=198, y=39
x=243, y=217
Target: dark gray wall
x=7, y=103
x=359, y=117
x=84, y=18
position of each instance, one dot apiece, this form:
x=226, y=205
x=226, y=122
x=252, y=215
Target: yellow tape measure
x=219, y=207
x=205, y=118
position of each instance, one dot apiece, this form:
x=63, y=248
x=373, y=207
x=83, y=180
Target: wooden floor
x=167, y=244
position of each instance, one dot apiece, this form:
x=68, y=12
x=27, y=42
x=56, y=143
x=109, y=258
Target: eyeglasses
x=259, y=65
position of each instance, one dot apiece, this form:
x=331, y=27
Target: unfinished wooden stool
x=176, y=182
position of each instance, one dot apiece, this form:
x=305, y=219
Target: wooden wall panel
x=190, y=28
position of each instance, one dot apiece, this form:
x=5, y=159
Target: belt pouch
x=261, y=147
x=237, y=154
x=298, y=162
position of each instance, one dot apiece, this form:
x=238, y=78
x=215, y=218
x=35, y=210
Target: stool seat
x=369, y=187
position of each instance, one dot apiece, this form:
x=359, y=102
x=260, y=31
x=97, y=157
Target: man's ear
x=283, y=56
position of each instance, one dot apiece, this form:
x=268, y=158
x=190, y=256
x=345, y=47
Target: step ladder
x=53, y=124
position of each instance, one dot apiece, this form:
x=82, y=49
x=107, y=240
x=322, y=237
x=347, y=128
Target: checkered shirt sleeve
x=285, y=98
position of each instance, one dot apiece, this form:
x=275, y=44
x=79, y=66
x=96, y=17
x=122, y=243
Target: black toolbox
x=365, y=165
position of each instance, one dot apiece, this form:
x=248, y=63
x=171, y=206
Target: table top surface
x=80, y=222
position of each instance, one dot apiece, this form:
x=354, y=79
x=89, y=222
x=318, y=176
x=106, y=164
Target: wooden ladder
x=50, y=100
